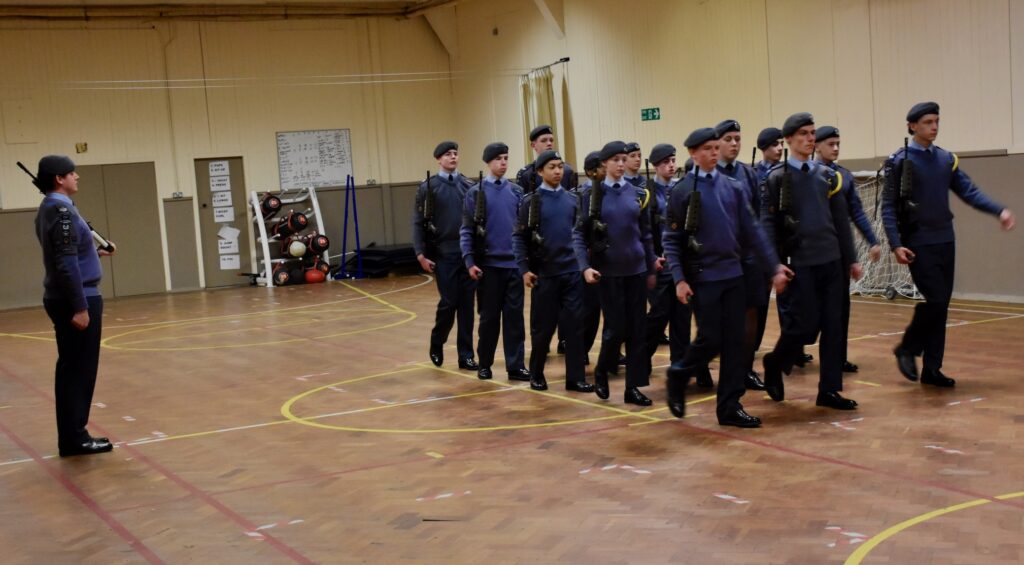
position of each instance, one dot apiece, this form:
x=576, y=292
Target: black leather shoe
x=676, y=390
x=773, y=378
x=582, y=386
x=436, y=356
x=622, y=360
x=704, y=379
x=634, y=396
x=753, y=381
x=468, y=363
x=835, y=400
x=86, y=448
x=560, y=348
x=484, y=373
x=740, y=419
x=519, y=375
x=906, y=363
x=664, y=340
x=99, y=439
x=803, y=359
x=539, y=383
x=850, y=367
x=601, y=385
x=936, y=378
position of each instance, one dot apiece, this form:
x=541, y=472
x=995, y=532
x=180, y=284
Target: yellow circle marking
x=286, y=411
x=862, y=551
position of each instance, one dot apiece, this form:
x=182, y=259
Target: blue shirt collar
x=704, y=174
x=797, y=163
x=493, y=179
x=913, y=144
x=444, y=174
x=548, y=187
x=60, y=197
x=609, y=182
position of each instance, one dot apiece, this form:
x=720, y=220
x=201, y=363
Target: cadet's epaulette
x=956, y=161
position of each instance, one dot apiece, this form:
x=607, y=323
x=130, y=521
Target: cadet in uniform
x=757, y=283
x=544, y=253
x=72, y=301
x=711, y=228
x=594, y=169
x=769, y=141
x=633, y=161
x=827, y=147
x=623, y=265
x=664, y=308
x=919, y=226
x=806, y=218
x=542, y=139
x=486, y=239
x=436, y=242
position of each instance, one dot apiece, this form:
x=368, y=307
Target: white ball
x=297, y=249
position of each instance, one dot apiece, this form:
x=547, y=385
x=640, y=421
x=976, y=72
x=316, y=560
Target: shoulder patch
x=956, y=161
x=836, y=184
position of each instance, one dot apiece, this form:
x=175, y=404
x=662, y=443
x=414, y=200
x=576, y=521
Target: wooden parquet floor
x=306, y=424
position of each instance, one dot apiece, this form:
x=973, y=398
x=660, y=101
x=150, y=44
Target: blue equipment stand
x=343, y=273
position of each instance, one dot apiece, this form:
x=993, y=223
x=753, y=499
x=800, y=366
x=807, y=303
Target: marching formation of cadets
x=649, y=251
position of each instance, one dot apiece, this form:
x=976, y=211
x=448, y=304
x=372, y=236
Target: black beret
x=592, y=162
x=768, y=137
x=660, y=152
x=825, y=132
x=494, y=150
x=795, y=122
x=632, y=146
x=444, y=147
x=611, y=149
x=539, y=131
x=921, y=109
x=725, y=126
x=49, y=167
x=699, y=137
x=544, y=157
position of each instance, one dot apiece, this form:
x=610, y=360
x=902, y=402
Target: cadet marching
x=649, y=252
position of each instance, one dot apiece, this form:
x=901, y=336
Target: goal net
x=886, y=277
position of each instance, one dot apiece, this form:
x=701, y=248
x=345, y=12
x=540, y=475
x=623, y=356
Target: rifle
x=906, y=207
x=786, y=237
x=692, y=264
x=535, y=242
x=753, y=156
x=430, y=230
x=97, y=239
x=597, y=231
x=480, y=222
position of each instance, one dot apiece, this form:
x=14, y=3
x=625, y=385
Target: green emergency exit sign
x=650, y=114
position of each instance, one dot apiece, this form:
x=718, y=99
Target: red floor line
x=85, y=499
x=194, y=490
x=849, y=465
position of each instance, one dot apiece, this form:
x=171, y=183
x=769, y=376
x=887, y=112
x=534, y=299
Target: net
x=886, y=277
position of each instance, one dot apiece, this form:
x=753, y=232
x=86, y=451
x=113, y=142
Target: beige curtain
x=538, y=103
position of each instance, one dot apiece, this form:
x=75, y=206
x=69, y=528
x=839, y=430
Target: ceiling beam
x=237, y=12
x=553, y=12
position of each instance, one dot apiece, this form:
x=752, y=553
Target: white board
x=314, y=158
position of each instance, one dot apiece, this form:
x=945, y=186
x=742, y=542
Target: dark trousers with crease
x=720, y=308
x=666, y=309
x=623, y=303
x=499, y=299
x=813, y=302
x=590, y=319
x=557, y=300
x=78, y=359
x=456, y=303
x=932, y=271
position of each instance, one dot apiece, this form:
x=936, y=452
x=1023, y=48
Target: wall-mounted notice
x=219, y=168
x=314, y=158
x=224, y=214
x=222, y=198
x=227, y=246
x=230, y=262
x=219, y=184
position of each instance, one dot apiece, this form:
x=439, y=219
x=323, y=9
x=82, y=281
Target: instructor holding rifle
x=72, y=301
